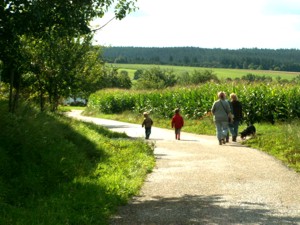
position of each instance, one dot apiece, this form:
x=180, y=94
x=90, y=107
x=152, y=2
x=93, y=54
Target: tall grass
x=281, y=140
x=55, y=170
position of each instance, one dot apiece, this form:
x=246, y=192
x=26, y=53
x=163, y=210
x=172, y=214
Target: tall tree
x=55, y=67
x=44, y=18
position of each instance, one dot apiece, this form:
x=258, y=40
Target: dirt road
x=197, y=181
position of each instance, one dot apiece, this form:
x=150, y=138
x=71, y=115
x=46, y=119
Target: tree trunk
x=10, y=103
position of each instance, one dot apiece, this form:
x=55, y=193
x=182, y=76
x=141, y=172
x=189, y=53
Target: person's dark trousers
x=147, y=132
x=234, y=129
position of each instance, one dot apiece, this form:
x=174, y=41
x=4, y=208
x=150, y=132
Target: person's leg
x=225, y=131
x=178, y=134
x=227, y=136
x=219, y=131
x=235, y=130
x=148, y=132
x=231, y=128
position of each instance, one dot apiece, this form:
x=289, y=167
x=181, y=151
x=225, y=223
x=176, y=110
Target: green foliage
x=137, y=74
x=56, y=68
x=4, y=90
x=76, y=71
x=155, y=78
x=281, y=141
x=296, y=79
x=39, y=39
x=261, y=102
x=111, y=101
x=199, y=77
x=270, y=103
x=252, y=78
x=54, y=170
x=123, y=80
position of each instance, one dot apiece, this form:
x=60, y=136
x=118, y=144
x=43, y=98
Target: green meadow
x=220, y=72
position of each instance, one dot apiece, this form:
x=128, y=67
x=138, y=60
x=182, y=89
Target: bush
x=155, y=78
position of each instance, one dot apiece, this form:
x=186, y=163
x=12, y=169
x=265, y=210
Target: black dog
x=250, y=130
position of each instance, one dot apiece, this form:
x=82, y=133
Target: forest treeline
x=254, y=58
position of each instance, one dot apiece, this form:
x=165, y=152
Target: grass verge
x=55, y=170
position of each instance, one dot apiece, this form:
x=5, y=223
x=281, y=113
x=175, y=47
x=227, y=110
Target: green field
x=220, y=72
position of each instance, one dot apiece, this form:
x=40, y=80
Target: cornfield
x=261, y=102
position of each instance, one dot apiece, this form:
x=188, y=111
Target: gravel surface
x=197, y=181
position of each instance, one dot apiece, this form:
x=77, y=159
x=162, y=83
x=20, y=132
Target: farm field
x=220, y=72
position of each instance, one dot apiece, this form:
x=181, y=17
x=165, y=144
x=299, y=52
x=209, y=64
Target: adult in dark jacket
x=237, y=111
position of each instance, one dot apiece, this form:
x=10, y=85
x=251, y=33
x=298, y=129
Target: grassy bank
x=54, y=170
x=281, y=140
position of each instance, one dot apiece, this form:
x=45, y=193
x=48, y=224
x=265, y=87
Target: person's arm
x=213, y=108
x=228, y=108
x=241, y=110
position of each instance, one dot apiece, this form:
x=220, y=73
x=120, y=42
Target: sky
x=226, y=24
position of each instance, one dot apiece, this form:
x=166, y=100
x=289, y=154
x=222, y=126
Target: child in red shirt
x=177, y=123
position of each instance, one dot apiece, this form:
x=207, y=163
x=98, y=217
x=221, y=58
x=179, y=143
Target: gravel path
x=196, y=181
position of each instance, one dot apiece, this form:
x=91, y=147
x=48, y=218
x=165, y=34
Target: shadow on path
x=198, y=210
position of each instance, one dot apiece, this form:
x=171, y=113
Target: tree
x=137, y=74
x=124, y=80
x=198, y=77
x=155, y=78
x=55, y=68
x=184, y=78
x=43, y=19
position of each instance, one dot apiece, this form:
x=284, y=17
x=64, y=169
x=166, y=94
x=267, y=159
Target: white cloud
x=210, y=24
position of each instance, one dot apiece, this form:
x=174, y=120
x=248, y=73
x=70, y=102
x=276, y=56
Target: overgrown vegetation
x=261, y=102
x=54, y=170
